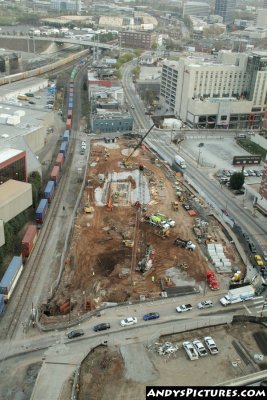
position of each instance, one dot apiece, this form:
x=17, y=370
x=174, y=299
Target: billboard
x=244, y=160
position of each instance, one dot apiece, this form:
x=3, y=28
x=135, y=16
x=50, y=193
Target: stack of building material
x=218, y=258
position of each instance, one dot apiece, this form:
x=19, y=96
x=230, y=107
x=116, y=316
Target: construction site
x=134, y=237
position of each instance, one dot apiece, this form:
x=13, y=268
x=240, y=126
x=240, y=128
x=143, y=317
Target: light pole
x=264, y=304
x=198, y=157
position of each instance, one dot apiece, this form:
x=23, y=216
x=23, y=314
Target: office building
x=137, y=39
x=195, y=8
x=228, y=93
x=226, y=9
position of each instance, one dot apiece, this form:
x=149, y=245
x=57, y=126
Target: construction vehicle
x=212, y=281
x=128, y=243
x=186, y=244
x=88, y=209
x=175, y=205
x=180, y=196
x=163, y=232
x=126, y=162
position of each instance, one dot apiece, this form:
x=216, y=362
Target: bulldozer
x=88, y=209
x=175, y=205
x=128, y=243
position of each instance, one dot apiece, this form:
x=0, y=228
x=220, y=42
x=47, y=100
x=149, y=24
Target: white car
x=198, y=345
x=205, y=304
x=129, y=321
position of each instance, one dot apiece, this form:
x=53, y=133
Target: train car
x=71, y=85
x=49, y=191
x=69, y=114
x=11, y=277
x=64, y=148
x=70, y=105
x=29, y=240
x=60, y=160
x=2, y=304
x=68, y=123
x=66, y=136
x=71, y=90
x=55, y=173
x=41, y=212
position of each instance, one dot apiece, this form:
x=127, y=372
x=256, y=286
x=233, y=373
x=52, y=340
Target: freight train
x=15, y=268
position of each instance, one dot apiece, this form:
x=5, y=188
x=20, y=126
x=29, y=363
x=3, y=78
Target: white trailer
x=180, y=161
x=237, y=295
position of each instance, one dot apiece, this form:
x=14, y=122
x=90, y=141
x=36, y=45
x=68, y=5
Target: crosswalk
x=260, y=305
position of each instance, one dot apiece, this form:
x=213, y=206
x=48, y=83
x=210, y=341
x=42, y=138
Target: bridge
x=77, y=42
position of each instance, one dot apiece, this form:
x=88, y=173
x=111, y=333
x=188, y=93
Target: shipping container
x=64, y=148
x=66, y=136
x=29, y=240
x=60, y=160
x=12, y=274
x=2, y=304
x=55, y=173
x=41, y=211
x=49, y=191
x=68, y=123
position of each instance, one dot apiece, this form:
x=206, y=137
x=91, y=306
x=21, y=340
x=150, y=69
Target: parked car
x=258, y=260
x=132, y=107
x=101, y=327
x=186, y=206
x=129, y=321
x=31, y=102
x=246, y=237
x=74, y=334
x=205, y=304
x=252, y=247
x=149, y=316
x=264, y=254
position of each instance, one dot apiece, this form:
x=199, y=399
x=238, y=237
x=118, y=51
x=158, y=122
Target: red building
x=13, y=165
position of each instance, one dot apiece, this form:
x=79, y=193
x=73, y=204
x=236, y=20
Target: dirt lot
x=122, y=373
x=99, y=267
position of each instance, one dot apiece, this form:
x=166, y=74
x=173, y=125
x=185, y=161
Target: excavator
x=126, y=162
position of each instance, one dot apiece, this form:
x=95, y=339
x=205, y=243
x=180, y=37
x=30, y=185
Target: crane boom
x=139, y=144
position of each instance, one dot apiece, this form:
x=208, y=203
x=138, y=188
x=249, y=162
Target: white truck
x=184, y=308
x=190, y=351
x=211, y=345
x=237, y=295
x=198, y=345
x=180, y=161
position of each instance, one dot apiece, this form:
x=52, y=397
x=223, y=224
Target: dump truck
x=190, y=350
x=237, y=295
x=175, y=205
x=186, y=244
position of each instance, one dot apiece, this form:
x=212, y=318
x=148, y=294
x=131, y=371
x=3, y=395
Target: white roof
x=8, y=153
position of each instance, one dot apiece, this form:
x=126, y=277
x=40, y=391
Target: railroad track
x=32, y=266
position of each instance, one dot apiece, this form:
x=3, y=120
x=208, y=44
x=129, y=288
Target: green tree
x=36, y=182
x=237, y=180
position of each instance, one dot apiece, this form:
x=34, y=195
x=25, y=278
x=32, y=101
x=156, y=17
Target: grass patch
x=252, y=147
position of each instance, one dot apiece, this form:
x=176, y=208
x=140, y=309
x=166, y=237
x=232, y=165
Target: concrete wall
x=2, y=233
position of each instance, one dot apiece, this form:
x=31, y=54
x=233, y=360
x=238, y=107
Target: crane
x=125, y=162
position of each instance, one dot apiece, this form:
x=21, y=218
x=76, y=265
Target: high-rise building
x=263, y=185
x=226, y=9
x=230, y=92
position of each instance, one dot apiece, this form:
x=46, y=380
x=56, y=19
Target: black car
x=31, y=102
x=252, y=247
x=101, y=327
x=74, y=334
x=186, y=206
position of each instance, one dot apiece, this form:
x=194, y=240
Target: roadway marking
x=247, y=309
x=258, y=302
x=257, y=298
x=258, y=307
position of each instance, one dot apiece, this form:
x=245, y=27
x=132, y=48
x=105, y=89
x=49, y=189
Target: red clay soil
x=99, y=267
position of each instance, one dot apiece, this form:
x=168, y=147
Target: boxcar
x=66, y=136
x=41, y=211
x=60, y=160
x=29, y=240
x=11, y=277
x=55, y=174
x=64, y=148
x=49, y=191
